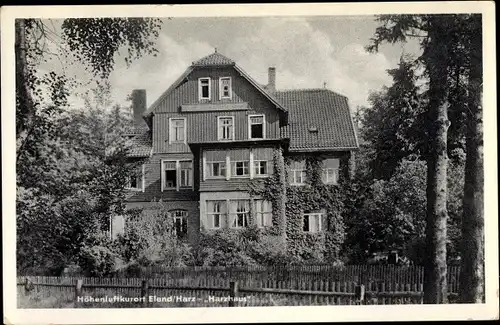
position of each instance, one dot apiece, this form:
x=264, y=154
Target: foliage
x=70, y=179
x=390, y=214
x=451, y=62
x=394, y=123
x=314, y=196
x=245, y=247
x=96, y=258
x=97, y=40
x=150, y=240
x=67, y=187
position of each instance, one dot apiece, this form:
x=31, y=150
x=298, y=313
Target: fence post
x=78, y=291
x=233, y=293
x=359, y=293
x=144, y=292
x=27, y=286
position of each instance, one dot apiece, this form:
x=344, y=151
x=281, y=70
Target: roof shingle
x=318, y=119
x=140, y=145
x=214, y=59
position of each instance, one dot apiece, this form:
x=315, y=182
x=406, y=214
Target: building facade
x=215, y=130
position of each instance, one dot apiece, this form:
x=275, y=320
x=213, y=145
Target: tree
x=93, y=41
x=69, y=184
x=472, y=275
x=452, y=60
x=393, y=123
x=66, y=183
x=434, y=32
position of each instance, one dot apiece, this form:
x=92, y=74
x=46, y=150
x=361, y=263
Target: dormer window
x=204, y=88
x=225, y=88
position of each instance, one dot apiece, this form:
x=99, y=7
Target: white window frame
x=178, y=175
x=303, y=176
x=255, y=168
x=221, y=96
x=170, y=129
x=183, y=217
x=250, y=126
x=200, y=93
x=334, y=177
x=191, y=175
x=325, y=177
x=219, y=124
x=234, y=169
x=210, y=215
x=235, y=214
x=209, y=169
x=142, y=183
x=261, y=216
x=318, y=215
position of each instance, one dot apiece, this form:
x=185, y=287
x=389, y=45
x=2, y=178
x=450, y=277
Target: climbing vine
x=290, y=202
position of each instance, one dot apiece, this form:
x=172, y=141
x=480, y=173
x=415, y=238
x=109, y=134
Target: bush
x=245, y=247
x=149, y=240
x=97, y=258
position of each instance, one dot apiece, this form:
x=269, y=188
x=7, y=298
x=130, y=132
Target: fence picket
x=325, y=278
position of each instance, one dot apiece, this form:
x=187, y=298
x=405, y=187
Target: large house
x=215, y=129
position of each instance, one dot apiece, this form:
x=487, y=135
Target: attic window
x=313, y=129
x=225, y=87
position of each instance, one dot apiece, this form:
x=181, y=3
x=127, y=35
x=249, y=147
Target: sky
x=306, y=51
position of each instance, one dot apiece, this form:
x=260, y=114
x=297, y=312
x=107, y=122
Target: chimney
x=138, y=106
x=271, y=83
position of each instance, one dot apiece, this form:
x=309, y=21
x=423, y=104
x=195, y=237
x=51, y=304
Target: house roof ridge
x=290, y=90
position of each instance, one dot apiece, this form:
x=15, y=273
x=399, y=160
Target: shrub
x=149, y=240
x=96, y=257
x=245, y=247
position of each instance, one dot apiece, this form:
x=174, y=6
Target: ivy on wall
x=290, y=202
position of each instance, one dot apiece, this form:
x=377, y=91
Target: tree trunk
x=471, y=288
x=25, y=110
x=435, y=268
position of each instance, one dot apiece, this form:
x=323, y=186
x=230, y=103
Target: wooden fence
x=231, y=287
x=391, y=275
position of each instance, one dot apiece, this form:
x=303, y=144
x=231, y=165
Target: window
x=170, y=175
x=260, y=167
x=263, y=213
x=225, y=87
x=204, y=88
x=298, y=173
x=216, y=169
x=312, y=222
x=216, y=212
x=186, y=168
x=330, y=171
x=177, y=174
x=256, y=126
x=240, y=168
x=239, y=211
x=225, y=127
x=134, y=181
x=180, y=220
x=177, y=130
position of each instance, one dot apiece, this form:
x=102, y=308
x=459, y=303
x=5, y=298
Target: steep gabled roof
x=318, y=119
x=214, y=59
